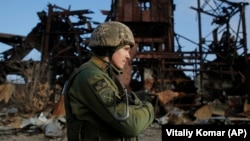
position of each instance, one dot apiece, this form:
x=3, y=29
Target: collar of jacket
x=104, y=65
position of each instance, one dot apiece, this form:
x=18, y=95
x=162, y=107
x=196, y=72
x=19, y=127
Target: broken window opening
x=144, y=4
x=15, y=79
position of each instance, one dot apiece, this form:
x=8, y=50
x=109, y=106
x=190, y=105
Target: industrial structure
x=158, y=62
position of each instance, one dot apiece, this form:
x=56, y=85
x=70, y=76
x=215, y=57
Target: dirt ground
x=152, y=133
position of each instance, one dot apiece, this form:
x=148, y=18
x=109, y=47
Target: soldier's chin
x=119, y=67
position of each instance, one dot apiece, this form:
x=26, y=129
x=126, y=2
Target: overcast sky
x=20, y=16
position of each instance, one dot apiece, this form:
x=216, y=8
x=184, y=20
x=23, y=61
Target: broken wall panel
x=142, y=10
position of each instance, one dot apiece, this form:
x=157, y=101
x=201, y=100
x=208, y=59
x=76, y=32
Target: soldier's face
x=121, y=56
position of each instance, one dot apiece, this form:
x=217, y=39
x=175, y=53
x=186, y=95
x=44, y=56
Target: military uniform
x=91, y=102
x=96, y=103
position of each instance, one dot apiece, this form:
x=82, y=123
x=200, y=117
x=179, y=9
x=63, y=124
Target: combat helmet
x=111, y=34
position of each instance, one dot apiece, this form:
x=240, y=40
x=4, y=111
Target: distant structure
x=157, y=64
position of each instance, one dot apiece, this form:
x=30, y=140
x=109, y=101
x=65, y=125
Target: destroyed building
x=158, y=66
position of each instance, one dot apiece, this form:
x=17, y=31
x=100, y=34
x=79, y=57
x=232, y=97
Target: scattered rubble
x=218, y=93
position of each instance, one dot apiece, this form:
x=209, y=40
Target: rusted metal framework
x=152, y=24
x=62, y=38
x=228, y=43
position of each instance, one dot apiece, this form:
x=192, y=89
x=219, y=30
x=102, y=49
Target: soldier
x=98, y=107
